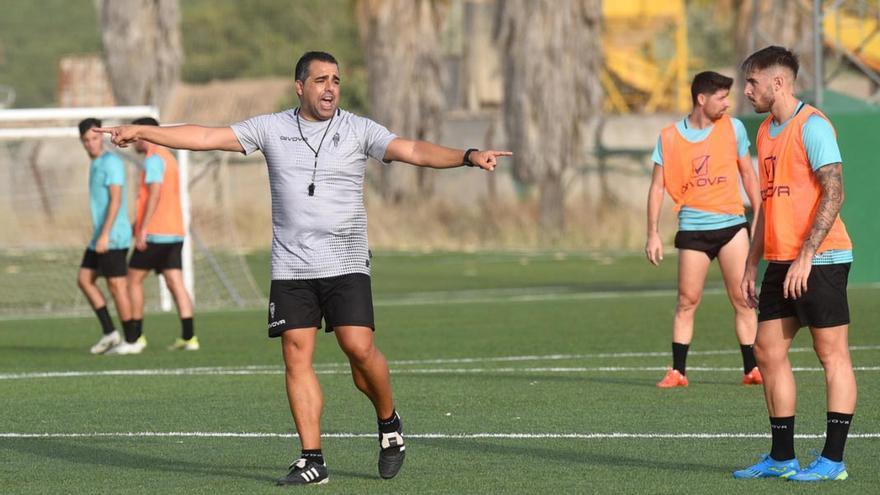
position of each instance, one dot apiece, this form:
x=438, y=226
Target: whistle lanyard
x=315, y=151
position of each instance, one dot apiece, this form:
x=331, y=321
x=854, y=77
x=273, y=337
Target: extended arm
x=183, y=137
x=654, y=246
x=425, y=154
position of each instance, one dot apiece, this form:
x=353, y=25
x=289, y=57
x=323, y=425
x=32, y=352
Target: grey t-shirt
x=324, y=235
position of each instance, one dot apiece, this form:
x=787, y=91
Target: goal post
x=44, y=213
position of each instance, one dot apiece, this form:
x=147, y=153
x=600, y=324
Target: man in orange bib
x=800, y=233
x=699, y=161
x=159, y=236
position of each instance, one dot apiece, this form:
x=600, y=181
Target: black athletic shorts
x=109, y=264
x=343, y=300
x=824, y=304
x=707, y=241
x=158, y=256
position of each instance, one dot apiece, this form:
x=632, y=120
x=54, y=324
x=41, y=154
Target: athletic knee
x=359, y=351
x=117, y=284
x=768, y=355
x=687, y=303
x=832, y=356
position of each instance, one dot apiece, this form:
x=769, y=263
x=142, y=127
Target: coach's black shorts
x=707, y=241
x=157, y=256
x=341, y=301
x=824, y=304
x=109, y=264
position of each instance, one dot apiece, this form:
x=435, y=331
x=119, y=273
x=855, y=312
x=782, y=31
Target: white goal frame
x=40, y=123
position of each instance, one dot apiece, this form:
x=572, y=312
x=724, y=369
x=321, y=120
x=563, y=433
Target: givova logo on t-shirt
x=772, y=189
x=700, y=176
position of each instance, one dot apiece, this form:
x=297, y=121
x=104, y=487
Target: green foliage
x=222, y=39
x=33, y=38
x=256, y=38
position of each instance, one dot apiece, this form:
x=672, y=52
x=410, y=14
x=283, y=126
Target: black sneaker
x=305, y=472
x=392, y=452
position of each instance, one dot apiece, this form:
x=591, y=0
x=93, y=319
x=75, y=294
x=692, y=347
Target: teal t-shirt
x=154, y=173
x=691, y=219
x=820, y=143
x=105, y=171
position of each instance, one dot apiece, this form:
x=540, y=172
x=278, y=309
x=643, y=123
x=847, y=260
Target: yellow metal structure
x=858, y=35
x=646, y=56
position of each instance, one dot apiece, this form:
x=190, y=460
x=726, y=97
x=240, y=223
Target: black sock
x=679, y=356
x=186, y=328
x=749, y=363
x=391, y=424
x=835, y=437
x=104, y=317
x=138, y=328
x=782, y=431
x=128, y=327
x=313, y=455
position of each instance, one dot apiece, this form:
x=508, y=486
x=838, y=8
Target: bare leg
x=119, y=290
x=303, y=390
x=832, y=348
x=732, y=259
x=692, y=269
x=174, y=280
x=86, y=280
x=136, y=292
x=368, y=367
x=771, y=351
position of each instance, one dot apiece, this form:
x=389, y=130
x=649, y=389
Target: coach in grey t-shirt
x=317, y=157
x=325, y=234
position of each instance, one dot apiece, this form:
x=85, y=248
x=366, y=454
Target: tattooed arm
x=830, y=179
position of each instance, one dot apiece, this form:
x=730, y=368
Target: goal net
x=45, y=223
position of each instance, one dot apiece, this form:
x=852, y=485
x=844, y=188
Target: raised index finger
x=501, y=153
x=105, y=130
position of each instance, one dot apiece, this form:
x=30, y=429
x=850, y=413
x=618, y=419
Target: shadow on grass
x=574, y=457
x=115, y=458
x=524, y=377
x=91, y=455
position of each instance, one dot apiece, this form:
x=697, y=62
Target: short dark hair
x=145, y=121
x=302, y=65
x=86, y=124
x=769, y=57
x=708, y=83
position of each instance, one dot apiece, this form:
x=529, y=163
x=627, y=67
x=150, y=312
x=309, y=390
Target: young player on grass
x=800, y=233
x=111, y=236
x=159, y=236
x=699, y=160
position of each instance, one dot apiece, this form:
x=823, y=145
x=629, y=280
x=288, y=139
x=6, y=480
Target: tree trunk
x=142, y=49
x=401, y=39
x=787, y=23
x=552, y=57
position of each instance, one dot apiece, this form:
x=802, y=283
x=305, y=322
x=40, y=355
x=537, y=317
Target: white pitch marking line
x=455, y=436
x=415, y=371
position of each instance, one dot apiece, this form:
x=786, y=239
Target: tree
x=142, y=49
x=552, y=57
x=401, y=39
x=787, y=23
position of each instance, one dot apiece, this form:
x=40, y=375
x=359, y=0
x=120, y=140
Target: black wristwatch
x=467, y=157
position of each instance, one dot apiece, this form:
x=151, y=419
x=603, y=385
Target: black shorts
x=824, y=304
x=109, y=264
x=158, y=256
x=707, y=241
x=342, y=300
